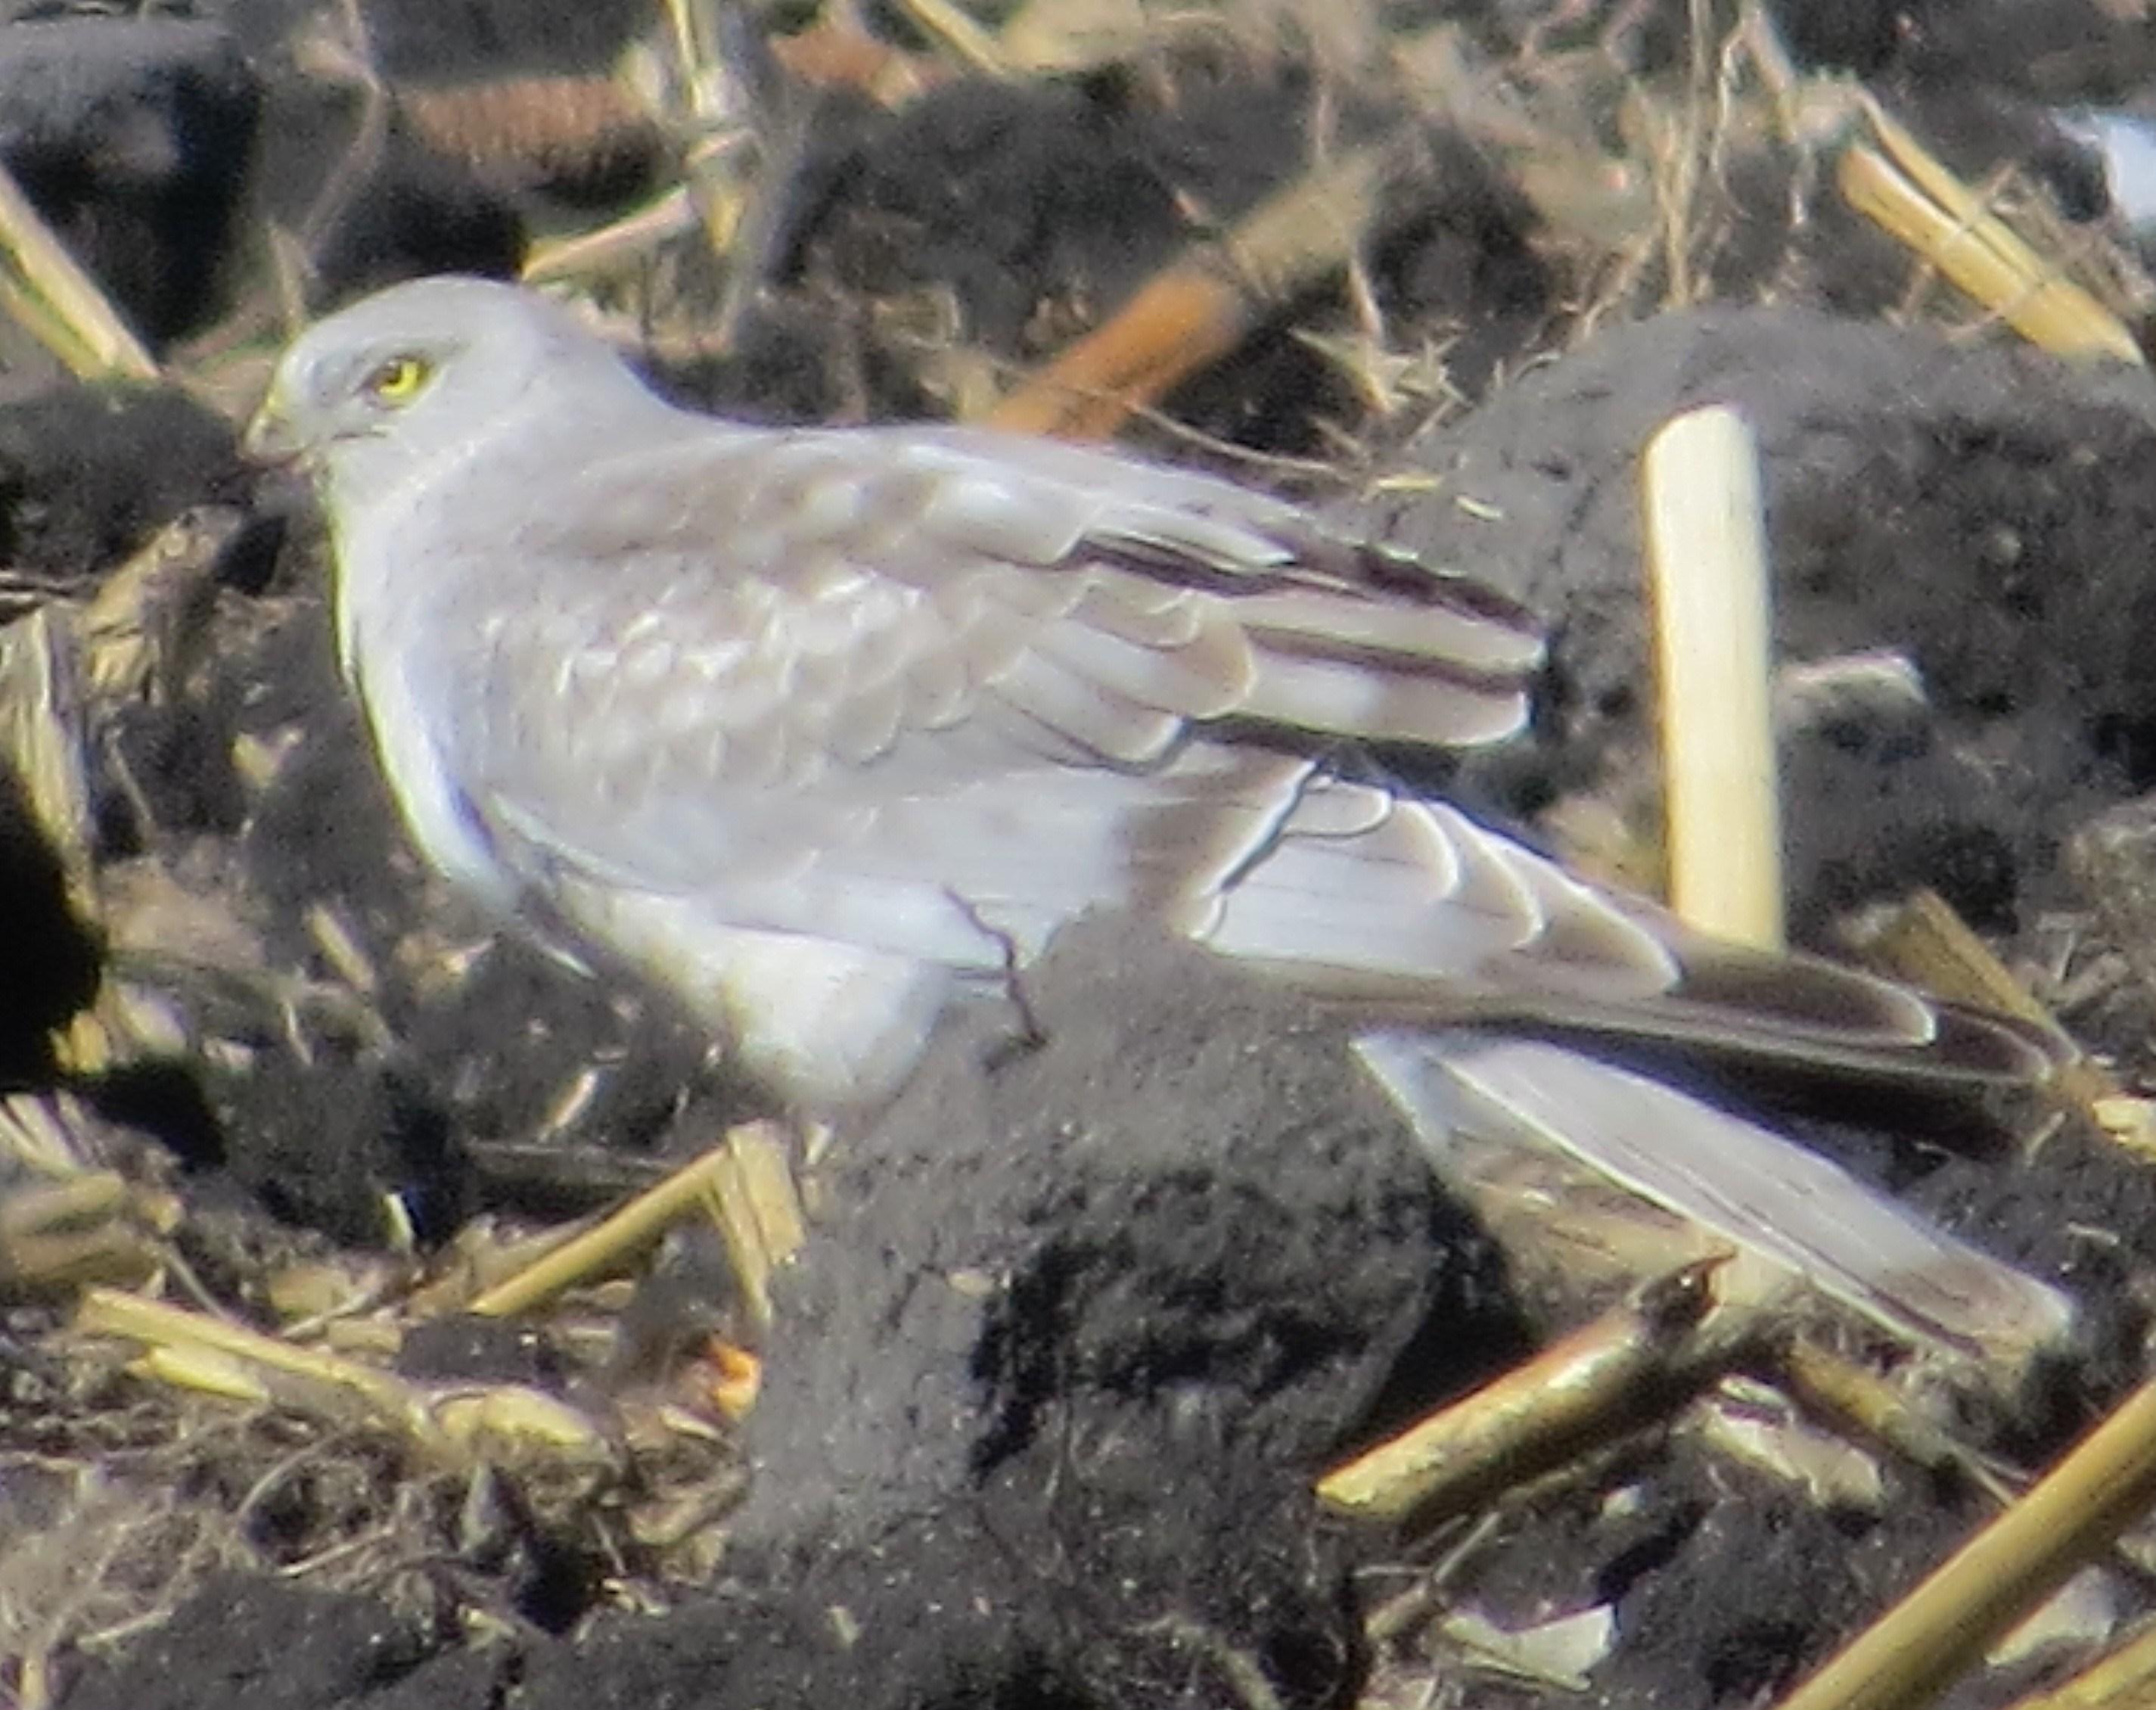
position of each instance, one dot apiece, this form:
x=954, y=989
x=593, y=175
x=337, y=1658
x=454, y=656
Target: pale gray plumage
x=809, y=723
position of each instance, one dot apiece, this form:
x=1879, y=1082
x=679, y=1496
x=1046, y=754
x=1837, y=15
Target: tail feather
x=1803, y=1012
x=1755, y=1189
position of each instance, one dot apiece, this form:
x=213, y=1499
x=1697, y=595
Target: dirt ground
x=1081, y=1318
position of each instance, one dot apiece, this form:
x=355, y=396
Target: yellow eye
x=396, y=380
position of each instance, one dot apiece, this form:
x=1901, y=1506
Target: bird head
x=418, y=373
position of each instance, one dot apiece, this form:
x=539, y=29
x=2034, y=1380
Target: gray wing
x=932, y=692
x=750, y=645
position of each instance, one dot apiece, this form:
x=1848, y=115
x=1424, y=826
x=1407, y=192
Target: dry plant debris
x=1587, y=1388
x=647, y=1470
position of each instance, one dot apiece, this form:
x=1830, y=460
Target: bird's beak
x=270, y=439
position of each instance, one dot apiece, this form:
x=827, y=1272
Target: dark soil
x=1081, y=1317
x=1977, y=509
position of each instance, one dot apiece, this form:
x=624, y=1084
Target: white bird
x=818, y=726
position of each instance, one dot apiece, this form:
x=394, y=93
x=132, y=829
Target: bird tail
x=1765, y=1195
x=1807, y=1017
x=1410, y=912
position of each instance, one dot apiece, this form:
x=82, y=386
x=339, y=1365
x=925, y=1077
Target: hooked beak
x=270, y=439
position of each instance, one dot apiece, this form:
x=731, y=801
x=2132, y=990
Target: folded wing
x=937, y=694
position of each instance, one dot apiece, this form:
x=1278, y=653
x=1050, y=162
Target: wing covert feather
x=723, y=611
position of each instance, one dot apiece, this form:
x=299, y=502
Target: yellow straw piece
x=1706, y=569
x=1983, y=1591
x=45, y=288
x=1909, y=194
